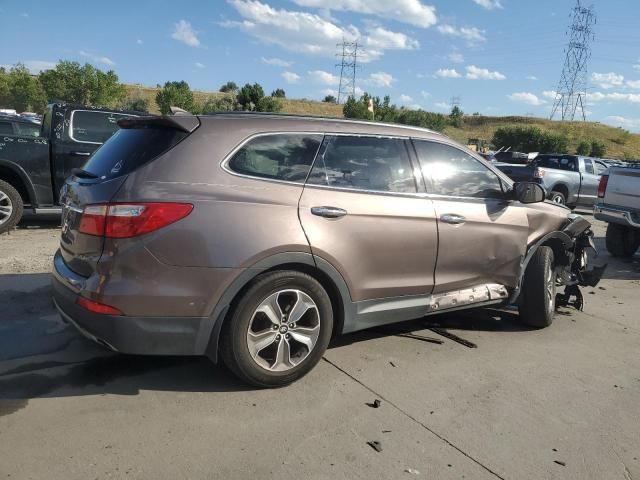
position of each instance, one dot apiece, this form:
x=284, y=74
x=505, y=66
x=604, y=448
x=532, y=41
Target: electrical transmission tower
x=348, y=55
x=455, y=102
x=572, y=88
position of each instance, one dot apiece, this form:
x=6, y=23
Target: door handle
x=328, y=212
x=81, y=154
x=452, y=218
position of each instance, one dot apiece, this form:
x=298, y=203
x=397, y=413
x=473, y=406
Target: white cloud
x=607, y=80
x=425, y=94
x=312, y=34
x=489, y=4
x=455, y=57
x=614, y=97
x=405, y=99
x=330, y=91
x=200, y=65
x=447, y=73
x=24, y=15
x=526, y=97
x=442, y=105
x=380, y=79
x=550, y=94
x=476, y=73
x=326, y=78
x=186, y=34
x=531, y=77
x=139, y=41
x=276, y=62
x=37, y=66
x=636, y=67
x=97, y=58
x=290, y=77
x=413, y=12
x=635, y=84
x=472, y=34
x=628, y=123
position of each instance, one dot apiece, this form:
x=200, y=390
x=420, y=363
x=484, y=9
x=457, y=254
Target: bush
x=250, y=95
x=456, y=116
x=175, y=94
x=330, y=99
x=584, y=148
x=529, y=139
x=598, y=149
x=278, y=93
x=229, y=87
x=136, y=102
x=225, y=103
x=269, y=104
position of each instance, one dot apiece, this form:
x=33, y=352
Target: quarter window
x=94, y=126
x=6, y=128
x=364, y=163
x=588, y=165
x=453, y=172
x=279, y=157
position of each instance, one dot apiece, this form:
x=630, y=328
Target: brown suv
x=258, y=237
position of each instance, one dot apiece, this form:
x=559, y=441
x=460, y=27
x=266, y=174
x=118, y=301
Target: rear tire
x=11, y=207
x=622, y=241
x=558, y=198
x=538, y=302
x=259, y=343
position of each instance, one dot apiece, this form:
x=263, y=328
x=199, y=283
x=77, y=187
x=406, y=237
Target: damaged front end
x=571, y=248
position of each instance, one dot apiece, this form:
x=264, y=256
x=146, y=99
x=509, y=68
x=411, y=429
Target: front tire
x=11, y=207
x=278, y=330
x=622, y=241
x=538, y=303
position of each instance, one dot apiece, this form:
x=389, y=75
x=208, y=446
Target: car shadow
x=32, y=221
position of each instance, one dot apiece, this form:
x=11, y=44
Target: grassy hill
x=619, y=143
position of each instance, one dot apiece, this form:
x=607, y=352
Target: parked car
x=255, y=238
x=570, y=180
x=619, y=205
x=35, y=159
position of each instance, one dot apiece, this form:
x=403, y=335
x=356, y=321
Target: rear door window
x=6, y=128
x=364, y=163
x=28, y=129
x=588, y=165
x=89, y=126
x=130, y=148
x=452, y=172
x=285, y=157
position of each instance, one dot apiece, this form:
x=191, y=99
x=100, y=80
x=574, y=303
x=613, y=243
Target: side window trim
x=504, y=180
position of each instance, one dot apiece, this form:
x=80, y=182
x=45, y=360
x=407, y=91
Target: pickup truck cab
x=619, y=205
x=36, y=159
x=570, y=180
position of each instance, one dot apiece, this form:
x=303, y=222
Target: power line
x=348, y=55
x=572, y=88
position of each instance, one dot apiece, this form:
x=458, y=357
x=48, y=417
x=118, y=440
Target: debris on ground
x=412, y=471
x=560, y=463
x=375, y=404
x=376, y=445
x=393, y=364
x=455, y=338
x=415, y=336
x=386, y=431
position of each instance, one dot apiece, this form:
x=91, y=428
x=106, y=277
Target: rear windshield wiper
x=79, y=172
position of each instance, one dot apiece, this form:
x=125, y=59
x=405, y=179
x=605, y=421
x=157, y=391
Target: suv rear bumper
x=125, y=334
x=615, y=215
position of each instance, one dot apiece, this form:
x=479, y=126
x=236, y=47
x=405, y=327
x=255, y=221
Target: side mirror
x=528, y=192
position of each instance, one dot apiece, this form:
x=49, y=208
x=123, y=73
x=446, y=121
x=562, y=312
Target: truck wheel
x=11, y=207
x=278, y=329
x=621, y=241
x=538, y=302
x=558, y=197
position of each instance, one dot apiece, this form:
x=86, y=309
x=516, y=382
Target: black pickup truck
x=33, y=168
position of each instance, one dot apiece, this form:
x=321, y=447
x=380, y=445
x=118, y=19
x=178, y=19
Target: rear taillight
x=602, y=186
x=124, y=220
x=97, y=307
x=538, y=173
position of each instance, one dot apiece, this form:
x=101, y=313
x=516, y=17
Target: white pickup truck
x=618, y=204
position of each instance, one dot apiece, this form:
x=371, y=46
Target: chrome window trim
x=367, y=192
x=91, y=111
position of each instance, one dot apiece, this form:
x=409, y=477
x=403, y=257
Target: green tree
x=229, y=87
x=136, y=102
x=22, y=91
x=175, y=94
x=456, y=116
x=250, y=95
x=598, y=149
x=330, y=99
x=279, y=93
x=584, y=148
x=223, y=103
x=84, y=84
x=269, y=104
x=529, y=139
x=4, y=88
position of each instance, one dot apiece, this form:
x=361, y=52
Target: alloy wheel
x=6, y=207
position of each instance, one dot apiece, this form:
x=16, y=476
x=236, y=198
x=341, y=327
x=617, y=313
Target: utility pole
x=348, y=55
x=572, y=88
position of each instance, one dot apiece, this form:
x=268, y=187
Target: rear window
x=6, y=128
x=94, y=126
x=28, y=129
x=130, y=148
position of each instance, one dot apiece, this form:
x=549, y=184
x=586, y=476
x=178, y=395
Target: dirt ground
x=557, y=403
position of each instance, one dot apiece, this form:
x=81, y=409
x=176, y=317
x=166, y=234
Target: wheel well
x=16, y=182
x=562, y=188
x=559, y=251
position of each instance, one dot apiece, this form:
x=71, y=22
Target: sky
x=500, y=57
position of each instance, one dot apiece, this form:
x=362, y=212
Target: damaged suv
x=256, y=238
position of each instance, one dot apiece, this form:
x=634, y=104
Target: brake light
x=97, y=307
x=538, y=173
x=125, y=220
x=602, y=186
